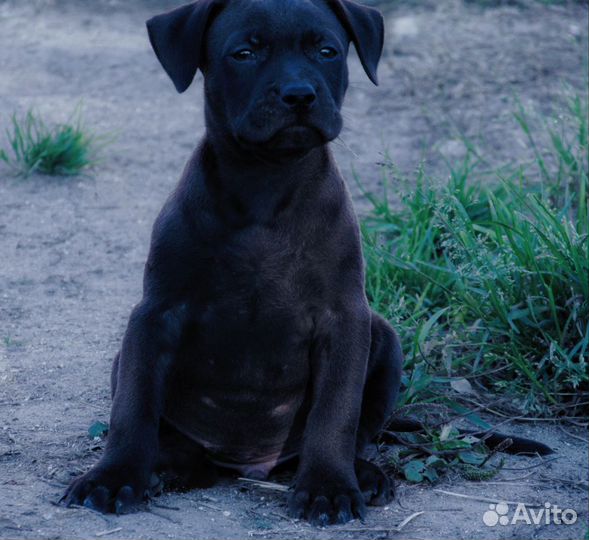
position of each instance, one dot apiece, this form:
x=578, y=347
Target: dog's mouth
x=291, y=136
x=297, y=137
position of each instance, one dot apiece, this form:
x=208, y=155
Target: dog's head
x=275, y=70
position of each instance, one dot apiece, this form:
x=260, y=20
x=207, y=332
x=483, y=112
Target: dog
x=254, y=343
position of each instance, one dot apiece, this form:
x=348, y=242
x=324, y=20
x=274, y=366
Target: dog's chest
x=260, y=271
x=257, y=294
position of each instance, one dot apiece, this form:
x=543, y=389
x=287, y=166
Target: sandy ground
x=72, y=250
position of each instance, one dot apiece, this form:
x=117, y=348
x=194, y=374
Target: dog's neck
x=259, y=188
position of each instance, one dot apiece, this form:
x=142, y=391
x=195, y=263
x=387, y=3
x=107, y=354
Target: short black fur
x=254, y=342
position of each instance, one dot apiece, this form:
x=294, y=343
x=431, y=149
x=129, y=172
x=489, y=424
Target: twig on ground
x=543, y=462
x=163, y=516
x=406, y=521
x=572, y=405
x=385, y=530
x=274, y=532
x=263, y=484
x=581, y=484
x=499, y=448
x=110, y=531
x=398, y=528
x=209, y=506
x=199, y=502
x=486, y=499
x=508, y=483
x=583, y=440
x=583, y=425
x=270, y=513
x=163, y=506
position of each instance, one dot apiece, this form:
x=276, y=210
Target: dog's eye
x=243, y=54
x=328, y=52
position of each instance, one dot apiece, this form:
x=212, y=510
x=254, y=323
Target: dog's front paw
x=107, y=489
x=324, y=502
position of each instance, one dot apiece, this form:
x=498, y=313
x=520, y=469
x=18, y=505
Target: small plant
x=11, y=343
x=427, y=456
x=62, y=149
x=98, y=430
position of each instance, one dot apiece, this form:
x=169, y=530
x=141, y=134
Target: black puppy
x=254, y=342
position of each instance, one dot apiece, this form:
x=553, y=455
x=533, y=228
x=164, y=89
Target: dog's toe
x=376, y=486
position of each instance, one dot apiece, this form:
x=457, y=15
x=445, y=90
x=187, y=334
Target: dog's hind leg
x=182, y=463
x=383, y=380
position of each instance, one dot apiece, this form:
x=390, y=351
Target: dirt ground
x=72, y=250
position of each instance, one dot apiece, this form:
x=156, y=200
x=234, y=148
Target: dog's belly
x=240, y=386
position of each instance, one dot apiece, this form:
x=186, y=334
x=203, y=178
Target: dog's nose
x=298, y=95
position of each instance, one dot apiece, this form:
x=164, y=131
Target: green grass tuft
x=61, y=149
x=491, y=282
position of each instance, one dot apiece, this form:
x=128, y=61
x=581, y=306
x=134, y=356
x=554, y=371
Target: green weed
x=429, y=456
x=62, y=149
x=491, y=282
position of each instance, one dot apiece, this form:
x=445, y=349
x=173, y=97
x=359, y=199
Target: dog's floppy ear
x=177, y=38
x=366, y=29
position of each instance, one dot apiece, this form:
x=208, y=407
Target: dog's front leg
x=121, y=478
x=326, y=489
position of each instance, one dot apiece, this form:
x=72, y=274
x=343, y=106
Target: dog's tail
x=493, y=439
